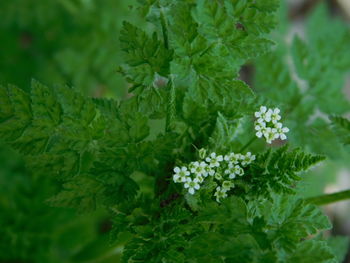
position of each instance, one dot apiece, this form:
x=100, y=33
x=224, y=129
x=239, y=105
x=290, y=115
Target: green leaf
x=16, y=113
x=81, y=194
x=311, y=251
x=206, y=98
x=224, y=134
x=234, y=27
x=213, y=247
x=341, y=127
x=277, y=170
x=233, y=209
x=146, y=57
x=290, y=219
x=339, y=246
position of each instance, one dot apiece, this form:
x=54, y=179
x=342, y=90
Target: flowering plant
x=234, y=199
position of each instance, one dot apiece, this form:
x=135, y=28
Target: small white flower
x=181, y=174
x=213, y=160
x=218, y=176
x=232, y=158
x=260, y=128
x=199, y=178
x=209, y=170
x=263, y=115
x=219, y=194
x=192, y=185
x=198, y=168
x=275, y=117
x=247, y=159
x=227, y=185
x=234, y=170
x=281, y=131
x=270, y=134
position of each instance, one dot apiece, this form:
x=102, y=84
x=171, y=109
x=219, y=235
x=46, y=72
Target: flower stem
x=329, y=198
x=248, y=144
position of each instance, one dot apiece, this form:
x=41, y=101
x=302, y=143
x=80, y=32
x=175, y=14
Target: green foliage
x=185, y=93
x=71, y=42
x=277, y=171
x=309, y=80
x=339, y=246
x=33, y=231
x=146, y=56
x=341, y=128
x=60, y=129
x=231, y=232
x=311, y=250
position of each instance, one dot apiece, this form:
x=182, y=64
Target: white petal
x=226, y=158
x=261, y=121
x=213, y=155
x=285, y=129
x=191, y=191
x=197, y=186
x=276, y=110
x=259, y=134
x=208, y=159
x=196, y=180
x=187, y=173
x=232, y=176
x=219, y=158
x=257, y=114
x=263, y=109
x=283, y=136
x=184, y=169
x=278, y=125
x=186, y=185
x=177, y=169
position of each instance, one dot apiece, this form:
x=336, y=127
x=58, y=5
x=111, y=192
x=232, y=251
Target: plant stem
x=164, y=29
x=329, y=198
x=171, y=109
x=248, y=143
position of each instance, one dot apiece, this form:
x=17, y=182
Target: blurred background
x=75, y=42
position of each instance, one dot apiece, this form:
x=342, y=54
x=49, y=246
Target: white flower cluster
x=222, y=170
x=268, y=125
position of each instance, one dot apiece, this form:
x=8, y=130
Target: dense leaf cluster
x=185, y=93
